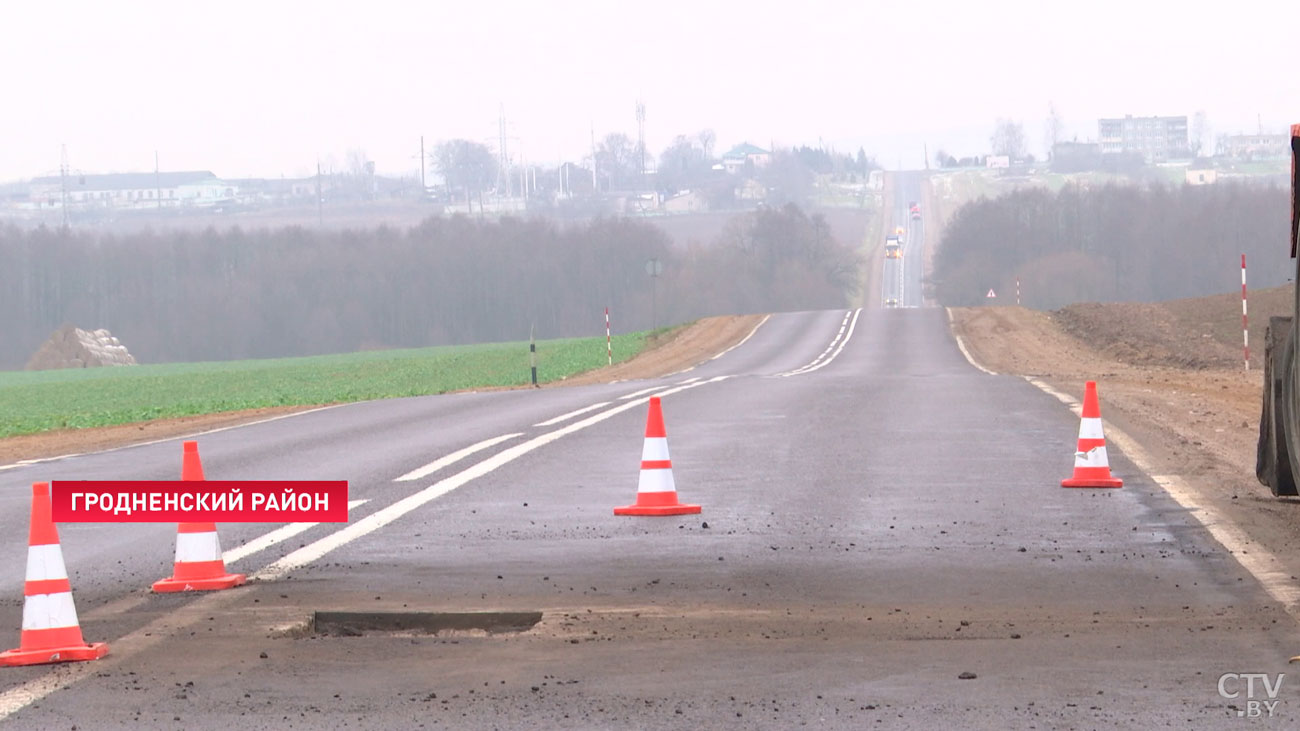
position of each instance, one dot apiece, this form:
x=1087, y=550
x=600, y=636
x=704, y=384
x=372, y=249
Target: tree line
x=1109, y=243
x=292, y=291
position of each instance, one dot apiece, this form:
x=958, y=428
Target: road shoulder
x=1197, y=426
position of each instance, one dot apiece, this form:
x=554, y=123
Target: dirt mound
x=72, y=347
x=1197, y=333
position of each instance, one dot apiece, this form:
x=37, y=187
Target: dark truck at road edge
x=1279, y=421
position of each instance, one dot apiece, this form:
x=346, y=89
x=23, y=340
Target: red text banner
x=193, y=501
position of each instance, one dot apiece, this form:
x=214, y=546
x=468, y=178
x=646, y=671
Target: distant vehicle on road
x=915, y=210
x=893, y=247
x=891, y=302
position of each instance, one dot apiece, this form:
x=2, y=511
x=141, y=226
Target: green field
x=38, y=401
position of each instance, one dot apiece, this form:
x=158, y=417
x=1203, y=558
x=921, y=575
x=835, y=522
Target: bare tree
x=707, y=139
x=1199, y=133
x=1008, y=139
x=469, y=167
x=1053, y=128
x=619, y=160
x=683, y=165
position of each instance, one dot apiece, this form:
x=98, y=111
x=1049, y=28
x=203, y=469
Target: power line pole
x=503, y=162
x=423, y=186
x=594, y=187
x=63, y=182
x=320, y=200
x=640, y=139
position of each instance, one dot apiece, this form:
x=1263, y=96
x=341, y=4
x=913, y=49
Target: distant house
x=690, y=201
x=133, y=190
x=997, y=161
x=1201, y=177
x=735, y=159
x=1258, y=147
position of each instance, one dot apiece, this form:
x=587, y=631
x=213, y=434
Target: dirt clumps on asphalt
x=1165, y=377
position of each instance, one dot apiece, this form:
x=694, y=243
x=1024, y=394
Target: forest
x=232, y=294
x=1113, y=243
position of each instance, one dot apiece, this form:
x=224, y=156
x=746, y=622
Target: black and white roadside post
x=532, y=352
x=654, y=268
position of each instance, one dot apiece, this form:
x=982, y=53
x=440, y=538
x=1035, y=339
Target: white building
x=133, y=190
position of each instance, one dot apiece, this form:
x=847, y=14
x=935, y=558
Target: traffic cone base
x=1092, y=482
x=215, y=583
x=678, y=509
x=50, y=631
x=69, y=653
x=1091, y=464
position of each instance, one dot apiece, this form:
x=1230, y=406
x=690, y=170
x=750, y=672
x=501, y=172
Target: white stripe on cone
x=1090, y=428
x=1095, y=457
x=197, y=547
x=45, y=562
x=49, y=611
x=655, y=449
x=656, y=480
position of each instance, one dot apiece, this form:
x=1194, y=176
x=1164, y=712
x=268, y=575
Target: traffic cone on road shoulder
x=656, y=492
x=198, y=565
x=51, y=632
x=1091, y=466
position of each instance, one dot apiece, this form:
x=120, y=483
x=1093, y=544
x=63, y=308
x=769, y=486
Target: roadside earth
x=677, y=350
x=1198, y=418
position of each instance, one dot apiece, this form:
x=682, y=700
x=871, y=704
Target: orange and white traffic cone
x=656, y=493
x=1091, y=467
x=51, y=632
x=199, y=566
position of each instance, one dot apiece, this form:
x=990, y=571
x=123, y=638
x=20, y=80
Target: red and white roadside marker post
x=609, y=346
x=1245, y=333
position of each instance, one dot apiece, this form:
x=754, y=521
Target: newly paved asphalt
x=878, y=524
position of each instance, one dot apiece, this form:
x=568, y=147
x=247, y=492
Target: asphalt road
x=881, y=518
x=902, y=278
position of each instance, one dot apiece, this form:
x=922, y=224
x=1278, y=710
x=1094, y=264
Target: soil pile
x=72, y=347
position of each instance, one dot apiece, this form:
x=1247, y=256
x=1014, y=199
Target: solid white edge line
x=634, y=394
x=26, y=462
x=571, y=414
x=1254, y=558
x=961, y=345
x=453, y=458
x=279, y=535
x=848, y=336
x=382, y=517
x=744, y=339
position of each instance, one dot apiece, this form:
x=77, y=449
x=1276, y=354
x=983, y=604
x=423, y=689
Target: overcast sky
x=266, y=88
